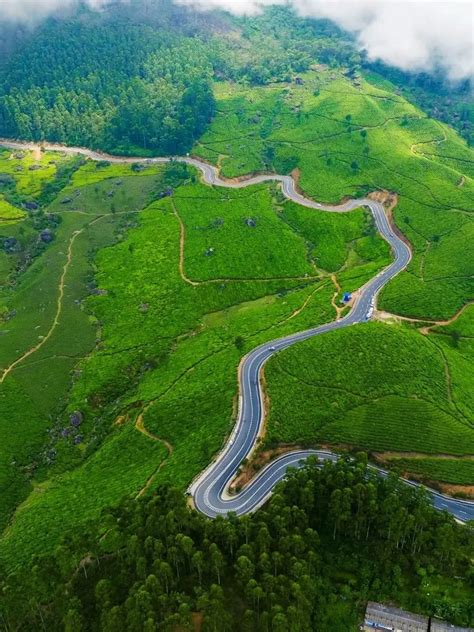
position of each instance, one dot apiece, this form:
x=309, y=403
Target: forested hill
x=328, y=540
x=88, y=84
x=138, y=79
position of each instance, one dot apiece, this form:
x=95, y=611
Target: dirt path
x=298, y=311
x=445, y=323
x=182, y=242
x=140, y=426
x=59, y=303
x=59, y=307
x=339, y=309
x=387, y=316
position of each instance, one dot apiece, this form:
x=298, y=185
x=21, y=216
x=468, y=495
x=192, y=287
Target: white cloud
x=35, y=10
x=410, y=34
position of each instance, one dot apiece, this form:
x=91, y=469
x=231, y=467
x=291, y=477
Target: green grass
x=454, y=471
x=29, y=171
x=34, y=393
x=378, y=387
x=278, y=128
x=168, y=347
x=9, y=213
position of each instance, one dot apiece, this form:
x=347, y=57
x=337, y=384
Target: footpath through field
x=210, y=490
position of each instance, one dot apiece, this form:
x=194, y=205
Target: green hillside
x=150, y=344
x=183, y=287
x=129, y=294
x=346, y=138
x=379, y=387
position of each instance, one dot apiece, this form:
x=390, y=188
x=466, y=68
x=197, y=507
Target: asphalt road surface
x=210, y=489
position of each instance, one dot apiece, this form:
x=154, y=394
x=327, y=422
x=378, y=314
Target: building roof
x=379, y=616
x=442, y=626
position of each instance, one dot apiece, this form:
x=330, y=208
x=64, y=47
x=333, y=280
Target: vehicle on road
x=207, y=490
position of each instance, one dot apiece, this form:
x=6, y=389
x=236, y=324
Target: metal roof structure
x=442, y=626
x=386, y=618
x=382, y=618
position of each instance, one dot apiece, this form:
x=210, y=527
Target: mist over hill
x=136, y=77
x=412, y=36
x=169, y=324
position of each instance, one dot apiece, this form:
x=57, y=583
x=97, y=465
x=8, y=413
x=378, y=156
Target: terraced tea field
x=384, y=387
x=129, y=297
x=344, y=140
x=162, y=365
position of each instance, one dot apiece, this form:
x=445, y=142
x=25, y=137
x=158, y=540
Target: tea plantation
x=129, y=295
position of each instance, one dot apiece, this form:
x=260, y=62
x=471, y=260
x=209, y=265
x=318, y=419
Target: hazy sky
x=34, y=10
x=409, y=34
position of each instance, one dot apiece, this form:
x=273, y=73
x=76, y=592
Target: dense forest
x=139, y=79
x=107, y=407
x=329, y=539
x=129, y=84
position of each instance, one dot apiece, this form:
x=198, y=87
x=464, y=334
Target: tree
x=268, y=155
x=455, y=338
x=217, y=561
x=244, y=570
x=198, y=564
x=239, y=342
x=73, y=621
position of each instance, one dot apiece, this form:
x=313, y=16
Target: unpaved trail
x=59, y=307
x=429, y=324
x=298, y=311
x=182, y=243
x=337, y=307
x=59, y=302
x=209, y=488
x=445, y=323
x=140, y=426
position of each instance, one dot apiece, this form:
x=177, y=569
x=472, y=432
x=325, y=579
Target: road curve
x=210, y=489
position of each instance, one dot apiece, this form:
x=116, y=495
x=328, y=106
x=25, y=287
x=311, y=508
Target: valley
x=236, y=325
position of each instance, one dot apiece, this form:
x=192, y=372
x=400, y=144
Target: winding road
x=210, y=489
